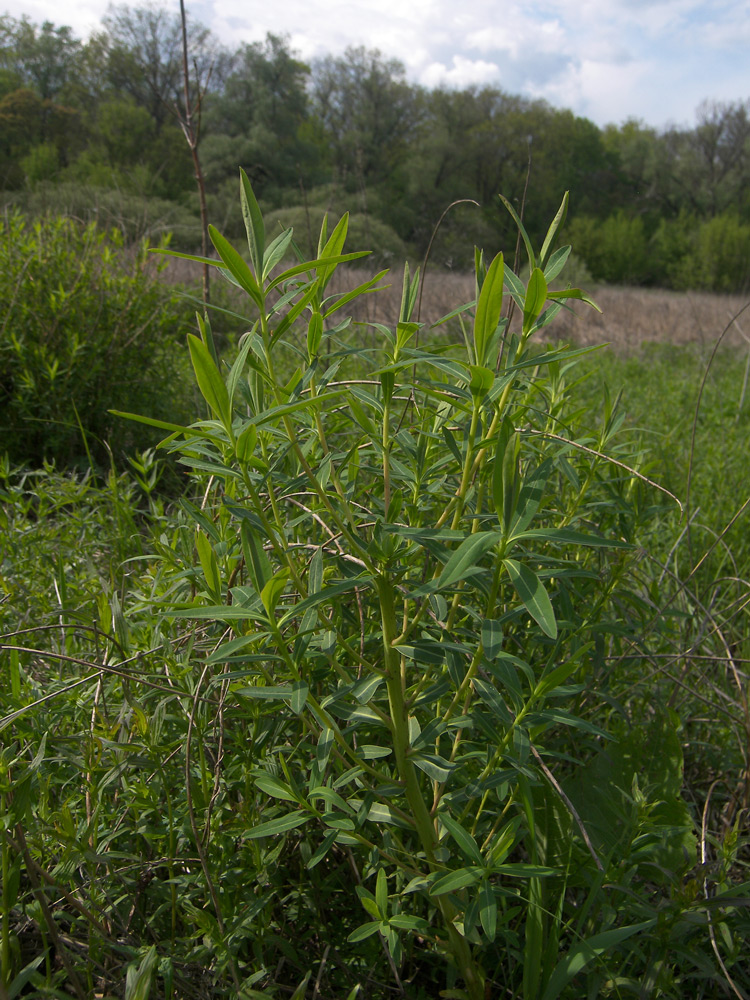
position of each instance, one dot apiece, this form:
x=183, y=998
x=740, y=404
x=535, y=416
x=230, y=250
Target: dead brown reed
x=630, y=317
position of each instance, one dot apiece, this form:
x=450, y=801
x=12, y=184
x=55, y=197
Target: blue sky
x=608, y=60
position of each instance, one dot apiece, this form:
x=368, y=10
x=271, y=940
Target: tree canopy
x=106, y=112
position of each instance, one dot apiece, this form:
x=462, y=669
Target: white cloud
x=607, y=59
x=462, y=73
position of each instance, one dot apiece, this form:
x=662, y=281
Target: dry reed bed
x=630, y=317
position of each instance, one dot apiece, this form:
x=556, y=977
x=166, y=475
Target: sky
x=607, y=60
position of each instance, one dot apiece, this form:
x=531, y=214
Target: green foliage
x=357, y=714
x=86, y=322
x=615, y=251
x=397, y=153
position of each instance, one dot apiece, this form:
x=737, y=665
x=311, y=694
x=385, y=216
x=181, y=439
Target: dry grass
x=630, y=317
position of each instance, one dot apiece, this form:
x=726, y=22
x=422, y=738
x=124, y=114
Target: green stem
x=423, y=822
x=5, y=971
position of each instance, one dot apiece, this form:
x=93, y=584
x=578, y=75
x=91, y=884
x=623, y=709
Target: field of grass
x=426, y=682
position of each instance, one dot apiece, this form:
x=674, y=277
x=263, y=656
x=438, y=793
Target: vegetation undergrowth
x=86, y=324
x=366, y=713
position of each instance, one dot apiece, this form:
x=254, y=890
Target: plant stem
x=423, y=822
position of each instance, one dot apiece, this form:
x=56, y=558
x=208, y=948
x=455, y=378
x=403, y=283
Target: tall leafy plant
x=397, y=581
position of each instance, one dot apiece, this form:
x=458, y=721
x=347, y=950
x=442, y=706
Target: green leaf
x=492, y=700
x=257, y=563
x=584, y=952
x=246, y=343
x=281, y=825
x=331, y=798
x=504, y=472
x=311, y=265
x=276, y=789
x=273, y=590
x=406, y=922
x=464, y=560
x=301, y=992
x=236, y=266
x=555, y=225
x=332, y=248
x=314, y=334
x=256, y=233
x=481, y=381
x=515, y=286
x=529, y=498
x=492, y=637
x=365, y=931
x=463, y=838
x=489, y=307
x=209, y=565
x=322, y=597
x=244, y=446
x=488, y=910
x=556, y=263
x=381, y=893
x=556, y=677
x=530, y=590
x=210, y=381
x=266, y=692
x=458, y=879
x=567, y=536
x=323, y=848
x=433, y=765
x=521, y=229
x=138, y=980
x=323, y=748
x=275, y=251
x=574, y=293
x=300, y=691
x=536, y=296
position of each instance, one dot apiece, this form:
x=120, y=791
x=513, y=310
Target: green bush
x=615, y=250
x=723, y=248
x=86, y=325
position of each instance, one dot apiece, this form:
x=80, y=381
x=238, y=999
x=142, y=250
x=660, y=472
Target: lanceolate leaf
x=556, y=263
x=529, y=498
x=256, y=233
x=281, y=825
x=455, y=880
x=536, y=296
x=489, y=307
x=488, y=910
x=533, y=595
x=210, y=381
x=521, y=229
x=555, y=225
x=584, y=952
x=236, y=265
x=467, y=555
x=463, y=838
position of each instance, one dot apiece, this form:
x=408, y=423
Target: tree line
x=666, y=206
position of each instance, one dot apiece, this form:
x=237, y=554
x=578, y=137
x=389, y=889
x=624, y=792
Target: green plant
x=400, y=578
x=223, y=771
x=85, y=322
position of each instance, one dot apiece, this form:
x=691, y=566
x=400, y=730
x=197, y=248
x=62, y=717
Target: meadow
x=412, y=663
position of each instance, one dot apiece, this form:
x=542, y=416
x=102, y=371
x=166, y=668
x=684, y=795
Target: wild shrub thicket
x=86, y=324
x=366, y=713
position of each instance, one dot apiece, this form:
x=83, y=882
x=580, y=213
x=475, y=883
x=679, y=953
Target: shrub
x=85, y=322
x=615, y=250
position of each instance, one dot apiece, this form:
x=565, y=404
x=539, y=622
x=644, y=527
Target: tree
x=144, y=50
x=44, y=59
x=368, y=113
x=258, y=120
